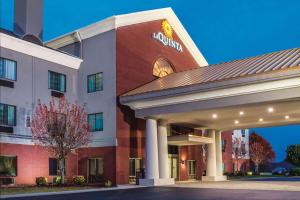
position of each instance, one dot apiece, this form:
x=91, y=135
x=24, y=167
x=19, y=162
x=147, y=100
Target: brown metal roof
x=267, y=63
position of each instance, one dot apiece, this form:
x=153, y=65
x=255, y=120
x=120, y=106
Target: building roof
x=11, y=41
x=114, y=22
x=252, y=66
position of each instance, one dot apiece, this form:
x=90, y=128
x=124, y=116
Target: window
x=54, y=167
x=223, y=145
x=243, y=147
x=56, y=81
x=7, y=115
x=192, y=169
x=27, y=121
x=8, y=165
x=243, y=131
x=162, y=67
x=95, y=122
x=95, y=82
x=8, y=69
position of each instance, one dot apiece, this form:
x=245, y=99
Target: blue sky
x=223, y=30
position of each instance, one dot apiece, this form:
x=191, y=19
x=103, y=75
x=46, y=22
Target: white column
x=151, y=149
x=211, y=155
x=163, y=150
x=218, y=141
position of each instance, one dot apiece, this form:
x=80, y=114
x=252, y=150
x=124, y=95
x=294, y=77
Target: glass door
x=173, y=166
x=95, y=170
x=135, y=165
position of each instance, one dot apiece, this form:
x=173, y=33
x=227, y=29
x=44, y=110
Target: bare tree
x=257, y=154
x=60, y=128
x=261, y=151
x=238, y=152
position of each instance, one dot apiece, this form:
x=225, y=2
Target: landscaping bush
x=41, y=181
x=108, y=183
x=57, y=180
x=295, y=171
x=78, y=180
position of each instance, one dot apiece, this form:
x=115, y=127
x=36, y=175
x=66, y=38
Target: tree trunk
x=62, y=170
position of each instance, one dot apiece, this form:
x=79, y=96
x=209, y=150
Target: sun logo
x=167, y=29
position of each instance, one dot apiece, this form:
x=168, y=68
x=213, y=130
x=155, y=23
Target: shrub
x=57, y=180
x=78, y=180
x=249, y=173
x=108, y=183
x=41, y=181
x=295, y=171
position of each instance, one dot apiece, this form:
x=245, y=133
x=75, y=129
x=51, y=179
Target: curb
x=120, y=187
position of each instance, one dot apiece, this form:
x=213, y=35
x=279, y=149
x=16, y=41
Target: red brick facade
x=33, y=161
x=136, y=42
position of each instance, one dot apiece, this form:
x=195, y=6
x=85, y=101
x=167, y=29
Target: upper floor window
x=7, y=115
x=56, y=81
x=162, y=67
x=95, y=122
x=8, y=69
x=243, y=131
x=243, y=148
x=223, y=145
x=95, y=82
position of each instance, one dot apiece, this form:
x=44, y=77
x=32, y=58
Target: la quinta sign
x=166, y=38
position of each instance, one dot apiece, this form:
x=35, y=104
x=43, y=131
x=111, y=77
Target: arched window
x=162, y=67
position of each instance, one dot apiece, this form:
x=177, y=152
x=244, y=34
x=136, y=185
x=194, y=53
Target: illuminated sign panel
x=166, y=38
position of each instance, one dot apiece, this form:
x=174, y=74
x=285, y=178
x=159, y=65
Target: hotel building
x=138, y=75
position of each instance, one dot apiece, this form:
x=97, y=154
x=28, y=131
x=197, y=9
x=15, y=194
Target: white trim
x=221, y=93
x=45, y=53
x=115, y=22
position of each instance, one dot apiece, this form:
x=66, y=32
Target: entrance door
x=191, y=169
x=95, y=170
x=135, y=165
x=173, y=167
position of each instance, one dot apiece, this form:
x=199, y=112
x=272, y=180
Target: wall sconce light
x=182, y=162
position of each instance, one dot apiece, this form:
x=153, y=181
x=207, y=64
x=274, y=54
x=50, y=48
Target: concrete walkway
x=119, y=187
x=244, y=185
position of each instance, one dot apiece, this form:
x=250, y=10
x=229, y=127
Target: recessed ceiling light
x=236, y=122
x=270, y=109
x=214, y=116
x=287, y=117
x=261, y=119
x=242, y=113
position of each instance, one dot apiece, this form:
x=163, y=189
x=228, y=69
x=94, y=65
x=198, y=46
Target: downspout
x=78, y=37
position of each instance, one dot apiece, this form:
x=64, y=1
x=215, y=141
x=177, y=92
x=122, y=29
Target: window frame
x=243, y=133
x=57, y=167
x=16, y=165
x=95, y=114
x=6, y=120
x=49, y=84
x=94, y=86
x=16, y=70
